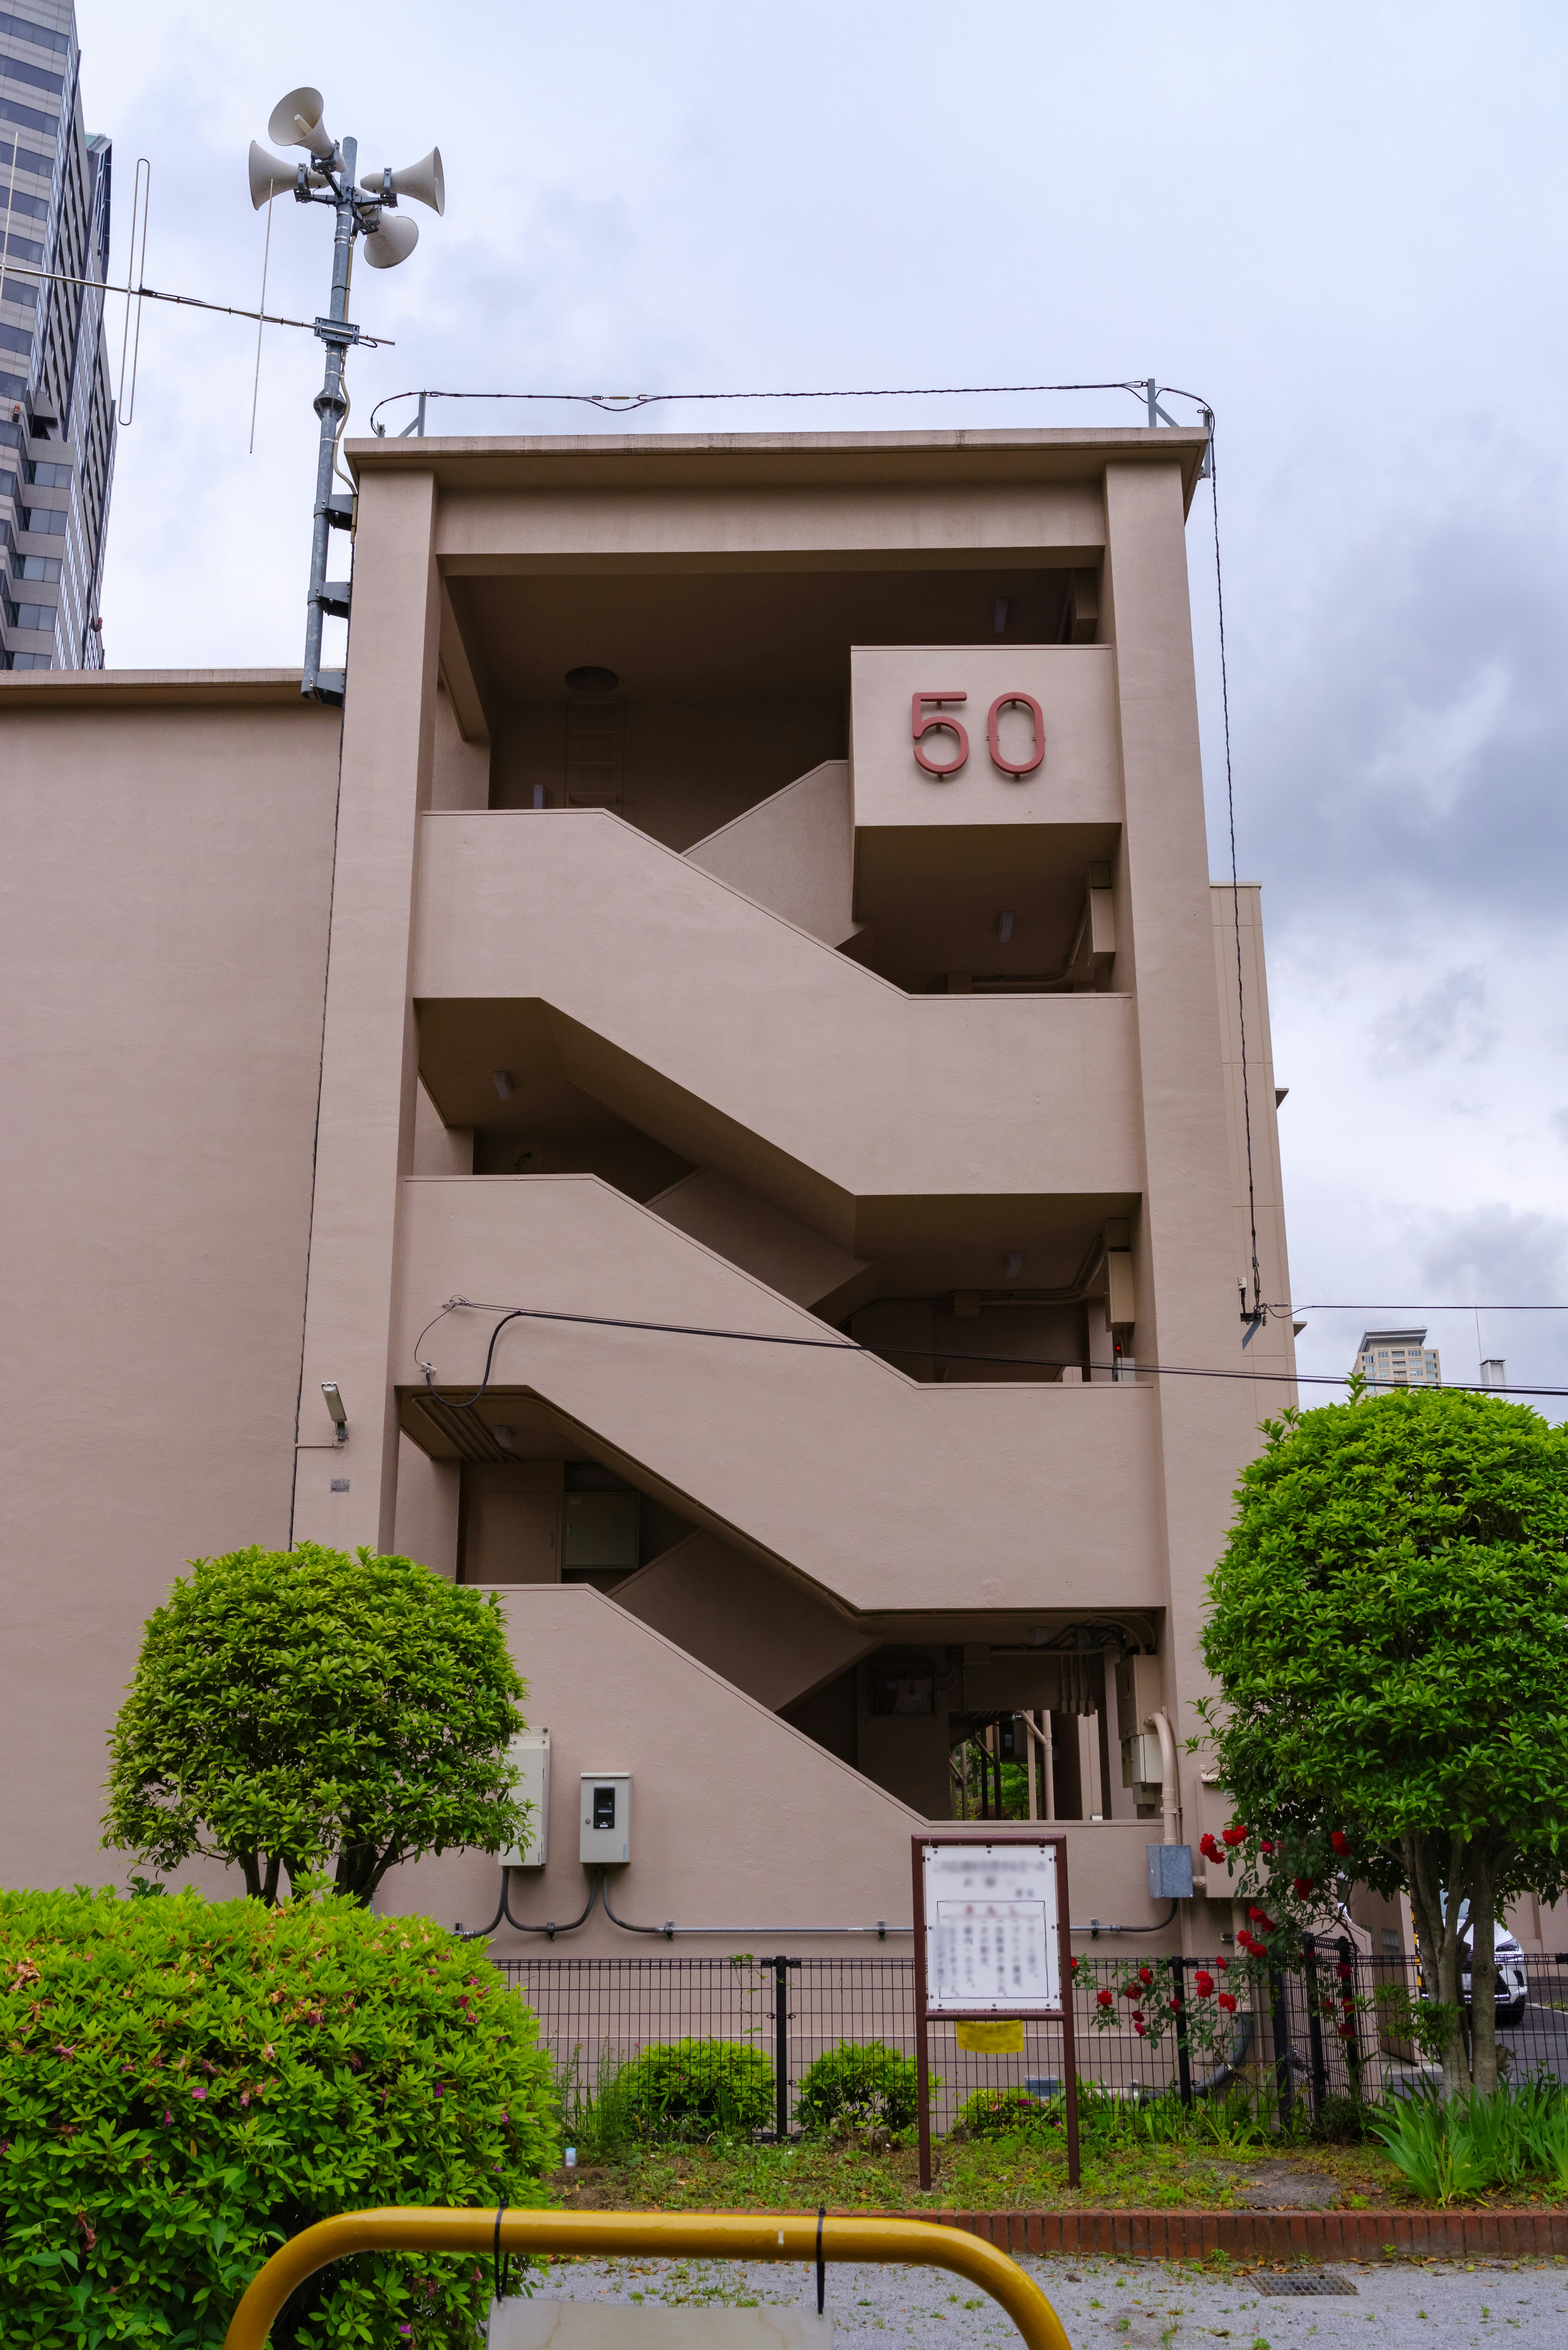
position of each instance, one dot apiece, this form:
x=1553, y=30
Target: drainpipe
x=1170, y=1791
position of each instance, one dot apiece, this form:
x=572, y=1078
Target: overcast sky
x=1343, y=225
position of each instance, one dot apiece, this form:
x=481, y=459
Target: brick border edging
x=1267, y=2235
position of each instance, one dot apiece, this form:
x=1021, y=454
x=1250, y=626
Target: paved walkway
x=1104, y=2305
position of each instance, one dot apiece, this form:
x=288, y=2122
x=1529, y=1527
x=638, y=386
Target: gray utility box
x=529, y=1754
x=1170, y=1872
x=606, y=1833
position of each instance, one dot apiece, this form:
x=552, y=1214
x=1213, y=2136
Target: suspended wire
x=261, y=314
x=1258, y=1309
x=622, y=403
x=185, y=301
x=841, y=1345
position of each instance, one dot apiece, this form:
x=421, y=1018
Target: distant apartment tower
x=1399, y=1358
x=57, y=411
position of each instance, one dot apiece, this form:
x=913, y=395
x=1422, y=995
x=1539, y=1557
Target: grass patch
x=992, y=2175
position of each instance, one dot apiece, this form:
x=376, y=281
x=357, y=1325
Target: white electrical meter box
x=606, y=1817
x=529, y=1755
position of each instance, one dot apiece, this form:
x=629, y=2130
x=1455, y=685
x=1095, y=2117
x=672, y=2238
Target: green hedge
x=693, y=2089
x=185, y=2083
x=1001, y=2113
x=859, y=2084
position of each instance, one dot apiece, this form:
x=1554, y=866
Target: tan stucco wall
x=166, y=865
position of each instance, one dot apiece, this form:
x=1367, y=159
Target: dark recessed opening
x=591, y=680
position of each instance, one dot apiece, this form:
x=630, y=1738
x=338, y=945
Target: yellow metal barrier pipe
x=703, y=2235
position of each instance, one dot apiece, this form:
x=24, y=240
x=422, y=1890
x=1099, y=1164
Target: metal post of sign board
x=1028, y=1995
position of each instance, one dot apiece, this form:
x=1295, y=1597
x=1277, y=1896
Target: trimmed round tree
x=1388, y=1629
x=305, y=1709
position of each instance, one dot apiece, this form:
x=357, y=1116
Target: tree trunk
x=1484, y=1976
x=251, y=1864
x=1438, y=1928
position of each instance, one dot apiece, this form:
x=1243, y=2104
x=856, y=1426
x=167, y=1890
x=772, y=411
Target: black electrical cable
x=1257, y=1314
x=934, y=1354
x=503, y=2278
x=478, y=1933
x=625, y=1924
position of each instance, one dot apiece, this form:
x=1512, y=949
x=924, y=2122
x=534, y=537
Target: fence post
x=1314, y=2023
x=1345, y=1978
x=1183, y=2054
x=1279, y=2020
x=780, y=2048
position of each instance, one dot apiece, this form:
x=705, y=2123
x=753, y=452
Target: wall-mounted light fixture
x=1015, y=1264
x=1004, y=928
x=502, y=1082
x=337, y=1408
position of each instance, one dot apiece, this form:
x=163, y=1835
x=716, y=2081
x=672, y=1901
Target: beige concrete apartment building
x=754, y=899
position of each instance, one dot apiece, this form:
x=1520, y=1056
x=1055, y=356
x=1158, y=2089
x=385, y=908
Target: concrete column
x=1184, y=1245
x=365, y=1130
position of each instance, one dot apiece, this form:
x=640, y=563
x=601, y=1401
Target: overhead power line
x=853, y=1346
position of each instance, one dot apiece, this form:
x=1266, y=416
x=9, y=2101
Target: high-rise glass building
x=56, y=411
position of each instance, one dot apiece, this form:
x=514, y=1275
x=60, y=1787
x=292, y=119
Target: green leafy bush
x=691, y=2089
x=1003, y=2113
x=1454, y=2147
x=1341, y=2120
x=859, y=2084
x=183, y=2084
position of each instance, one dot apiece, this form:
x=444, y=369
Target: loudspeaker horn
x=392, y=242
x=425, y=181
x=296, y=121
x=270, y=176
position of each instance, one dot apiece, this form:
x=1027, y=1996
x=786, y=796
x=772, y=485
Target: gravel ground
x=1103, y=2304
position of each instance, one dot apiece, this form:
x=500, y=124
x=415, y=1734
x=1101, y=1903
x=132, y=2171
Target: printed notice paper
x=990, y=1929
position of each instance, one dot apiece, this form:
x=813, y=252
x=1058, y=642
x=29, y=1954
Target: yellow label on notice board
x=991, y=2039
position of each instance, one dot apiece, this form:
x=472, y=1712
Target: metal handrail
x=720, y=2235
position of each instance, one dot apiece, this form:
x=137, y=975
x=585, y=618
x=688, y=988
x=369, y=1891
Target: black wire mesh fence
x=1336, y=2023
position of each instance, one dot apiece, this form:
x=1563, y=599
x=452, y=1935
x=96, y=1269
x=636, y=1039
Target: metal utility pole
x=368, y=210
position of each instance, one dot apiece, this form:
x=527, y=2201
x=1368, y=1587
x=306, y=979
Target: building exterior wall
x=854, y=1140
x=167, y=863
x=57, y=407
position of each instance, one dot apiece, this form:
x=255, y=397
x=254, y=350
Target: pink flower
x=198, y=2093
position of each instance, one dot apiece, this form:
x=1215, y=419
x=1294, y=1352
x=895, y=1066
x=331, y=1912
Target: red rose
x=1342, y=1970
x=1267, y=1846
x=1173, y=2006
x=1146, y=1974
x=1104, y=1999
x=1130, y=1990
x=1228, y=2002
x=1140, y=2027
x=1203, y=1982
x=1301, y=1887
x=1347, y=2031
x=1223, y=1965
x=1238, y=1835
x=1209, y=1848
x=1340, y=1841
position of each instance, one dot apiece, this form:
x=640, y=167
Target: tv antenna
x=369, y=211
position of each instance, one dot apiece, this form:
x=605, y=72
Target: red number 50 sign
x=927, y=715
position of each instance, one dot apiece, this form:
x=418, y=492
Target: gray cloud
x=1413, y=731
x=1446, y=1021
